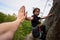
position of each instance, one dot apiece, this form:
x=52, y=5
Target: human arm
x=28, y=18
x=47, y=16
x=13, y=25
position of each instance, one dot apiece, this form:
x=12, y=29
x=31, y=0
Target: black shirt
x=35, y=20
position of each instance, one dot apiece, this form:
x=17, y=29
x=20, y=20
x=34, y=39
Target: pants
x=39, y=34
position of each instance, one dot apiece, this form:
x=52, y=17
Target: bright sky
x=12, y=6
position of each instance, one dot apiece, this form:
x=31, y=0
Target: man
x=7, y=30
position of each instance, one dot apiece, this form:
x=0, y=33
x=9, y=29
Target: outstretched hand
x=26, y=15
x=48, y=16
x=21, y=14
x=52, y=14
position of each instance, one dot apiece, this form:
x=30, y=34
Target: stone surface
x=53, y=23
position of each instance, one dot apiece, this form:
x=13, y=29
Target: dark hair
x=35, y=10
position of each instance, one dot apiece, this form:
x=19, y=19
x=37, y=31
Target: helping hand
x=21, y=14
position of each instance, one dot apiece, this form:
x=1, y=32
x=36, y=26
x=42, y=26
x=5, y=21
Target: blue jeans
x=39, y=34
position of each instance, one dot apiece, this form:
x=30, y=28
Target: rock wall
x=53, y=22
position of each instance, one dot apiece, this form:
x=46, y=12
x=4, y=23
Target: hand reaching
x=26, y=15
x=21, y=14
x=51, y=14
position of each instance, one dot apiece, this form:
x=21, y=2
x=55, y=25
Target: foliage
x=2, y=17
x=23, y=30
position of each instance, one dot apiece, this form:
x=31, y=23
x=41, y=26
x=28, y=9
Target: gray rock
x=53, y=23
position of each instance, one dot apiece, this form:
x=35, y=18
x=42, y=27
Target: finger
x=25, y=14
x=22, y=9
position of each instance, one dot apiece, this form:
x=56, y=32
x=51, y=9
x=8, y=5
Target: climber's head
x=36, y=11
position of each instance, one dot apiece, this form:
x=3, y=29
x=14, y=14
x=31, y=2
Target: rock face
x=53, y=22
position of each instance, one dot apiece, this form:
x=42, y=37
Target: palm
x=21, y=13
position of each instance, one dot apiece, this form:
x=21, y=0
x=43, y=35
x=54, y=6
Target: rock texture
x=53, y=22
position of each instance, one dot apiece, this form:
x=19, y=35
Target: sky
x=12, y=6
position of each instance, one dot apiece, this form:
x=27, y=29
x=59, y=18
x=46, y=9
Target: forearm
x=9, y=26
x=47, y=16
x=28, y=18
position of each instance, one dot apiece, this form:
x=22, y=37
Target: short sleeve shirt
x=35, y=20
